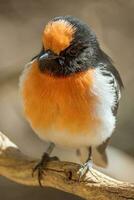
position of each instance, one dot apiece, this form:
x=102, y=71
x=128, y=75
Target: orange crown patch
x=58, y=35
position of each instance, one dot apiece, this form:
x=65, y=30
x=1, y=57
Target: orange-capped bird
x=71, y=90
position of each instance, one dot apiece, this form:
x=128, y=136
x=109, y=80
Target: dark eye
x=72, y=52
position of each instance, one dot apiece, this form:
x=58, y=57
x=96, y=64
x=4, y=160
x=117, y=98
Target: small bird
x=70, y=92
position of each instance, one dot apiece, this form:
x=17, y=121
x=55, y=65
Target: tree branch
x=95, y=186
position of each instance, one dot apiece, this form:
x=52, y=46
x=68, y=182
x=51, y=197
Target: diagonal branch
x=96, y=186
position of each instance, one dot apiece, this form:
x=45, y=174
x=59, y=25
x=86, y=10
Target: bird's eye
x=73, y=52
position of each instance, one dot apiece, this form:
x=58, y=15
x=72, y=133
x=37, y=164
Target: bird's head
x=69, y=46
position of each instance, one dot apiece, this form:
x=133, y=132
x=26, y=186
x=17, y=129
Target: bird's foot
x=84, y=169
x=40, y=166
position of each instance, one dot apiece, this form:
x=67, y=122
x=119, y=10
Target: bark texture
x=95, y=185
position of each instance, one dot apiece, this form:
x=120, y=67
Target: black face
x=82, y=54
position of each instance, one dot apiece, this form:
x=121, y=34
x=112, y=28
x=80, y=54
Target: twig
x=95, y=186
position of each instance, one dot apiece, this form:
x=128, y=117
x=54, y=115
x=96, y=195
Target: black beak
x=48, y=55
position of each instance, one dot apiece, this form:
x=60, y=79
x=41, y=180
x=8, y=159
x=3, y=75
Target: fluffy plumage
x=71, y=89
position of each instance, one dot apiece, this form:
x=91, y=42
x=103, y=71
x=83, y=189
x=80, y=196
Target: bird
x=70, y=93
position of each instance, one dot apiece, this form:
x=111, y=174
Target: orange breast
x=65, y=103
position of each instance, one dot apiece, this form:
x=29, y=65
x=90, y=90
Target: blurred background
x=21, y=26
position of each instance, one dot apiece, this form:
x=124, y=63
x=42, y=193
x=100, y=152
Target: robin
x=70, y=92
